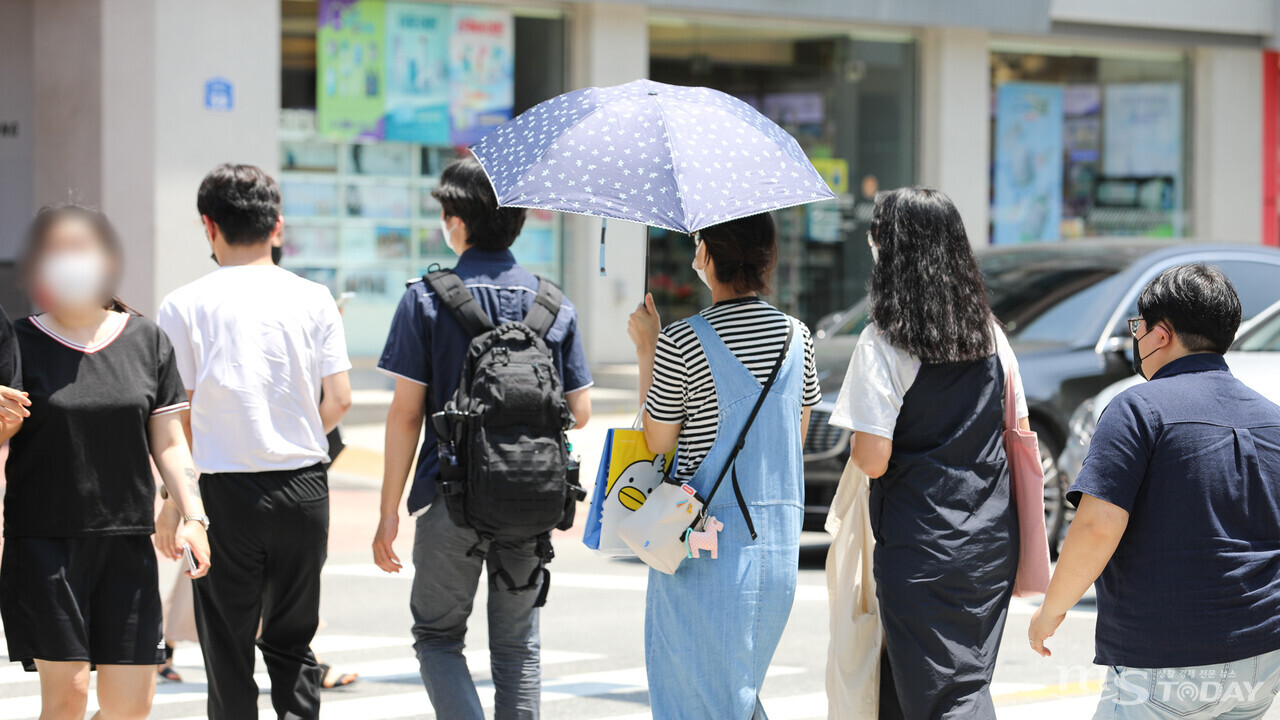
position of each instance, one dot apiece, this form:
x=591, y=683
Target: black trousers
x=269, y=539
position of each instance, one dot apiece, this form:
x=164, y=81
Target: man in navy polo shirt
x=1178, y=520
x=426, y=359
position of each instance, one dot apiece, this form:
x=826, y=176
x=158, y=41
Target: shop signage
x=835, y=171
x=413, y=72
x=219, y=94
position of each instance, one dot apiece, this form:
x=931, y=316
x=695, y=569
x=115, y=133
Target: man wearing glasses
x=1178, y=520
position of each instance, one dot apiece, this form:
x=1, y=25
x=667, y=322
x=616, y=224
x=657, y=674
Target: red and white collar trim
x=87, y=349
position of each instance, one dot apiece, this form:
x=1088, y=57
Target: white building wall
x=128, y=133
x=609, y=45
x=117, y=118
x=1226, y=146
x=955, y=121
x=238, y=40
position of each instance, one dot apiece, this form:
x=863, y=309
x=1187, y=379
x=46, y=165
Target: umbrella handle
x=603, y=221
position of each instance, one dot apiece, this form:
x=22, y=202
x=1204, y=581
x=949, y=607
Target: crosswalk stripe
x=195, y=688
x=569, y=687
x=1072, y=709
x=586, y=581
x=189, y=655
x=812, y=706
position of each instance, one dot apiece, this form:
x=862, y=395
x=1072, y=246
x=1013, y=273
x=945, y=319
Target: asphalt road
x=592, y=632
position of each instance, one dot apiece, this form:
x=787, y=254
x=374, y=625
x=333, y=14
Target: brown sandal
x=166, y=671
x=342, y=680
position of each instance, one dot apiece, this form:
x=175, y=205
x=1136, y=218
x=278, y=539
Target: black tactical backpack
x=505, y=469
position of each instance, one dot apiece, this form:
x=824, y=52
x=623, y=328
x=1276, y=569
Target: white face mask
x=701, y=271
x=448, y=234
x=75, y=278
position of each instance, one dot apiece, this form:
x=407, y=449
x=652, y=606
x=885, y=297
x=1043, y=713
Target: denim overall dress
x=712, y=627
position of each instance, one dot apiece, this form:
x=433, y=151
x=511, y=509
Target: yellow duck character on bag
x=634, y=477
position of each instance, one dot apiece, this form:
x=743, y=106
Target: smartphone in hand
x=190, y=557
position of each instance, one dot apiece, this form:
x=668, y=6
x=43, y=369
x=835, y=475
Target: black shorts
x=86, y=599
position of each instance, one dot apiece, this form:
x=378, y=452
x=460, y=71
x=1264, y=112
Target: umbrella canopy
x=680, y=158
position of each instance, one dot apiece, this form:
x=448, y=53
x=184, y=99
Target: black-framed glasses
x=1134, y=323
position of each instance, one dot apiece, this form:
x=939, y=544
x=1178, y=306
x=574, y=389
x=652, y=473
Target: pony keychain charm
x=706, y=539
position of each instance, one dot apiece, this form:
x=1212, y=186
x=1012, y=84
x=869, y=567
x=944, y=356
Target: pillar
x=1227, y=144
x=609, y=46
x=955, y=122
x=17, y=143
x=119, y=118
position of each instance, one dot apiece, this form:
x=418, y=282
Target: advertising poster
x=1142, y=130
x=417, y=72
x=481, y=71
x=350, y=69
x=1028, y=163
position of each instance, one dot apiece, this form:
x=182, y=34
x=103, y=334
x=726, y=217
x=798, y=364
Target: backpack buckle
x=501, y=355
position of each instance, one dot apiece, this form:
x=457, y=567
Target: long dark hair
x=49, y=216
x=927, y=295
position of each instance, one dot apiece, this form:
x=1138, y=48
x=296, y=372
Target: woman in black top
x=78, y=582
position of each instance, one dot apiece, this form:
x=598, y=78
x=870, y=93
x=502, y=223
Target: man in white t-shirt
x=262, y=354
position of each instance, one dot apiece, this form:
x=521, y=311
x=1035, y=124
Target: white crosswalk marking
x=569, y=687
x=601, y=581
x=388, y=667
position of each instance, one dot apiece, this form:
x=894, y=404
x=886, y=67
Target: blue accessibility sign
x=219, y=94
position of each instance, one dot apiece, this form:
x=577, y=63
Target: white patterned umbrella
x=680, y=158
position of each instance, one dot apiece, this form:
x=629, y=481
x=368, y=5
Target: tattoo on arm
x=193, y=484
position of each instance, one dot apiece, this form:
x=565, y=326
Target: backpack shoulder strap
x=461, y=304
x=545, y=308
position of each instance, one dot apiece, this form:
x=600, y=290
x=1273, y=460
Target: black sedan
x=1064, y=307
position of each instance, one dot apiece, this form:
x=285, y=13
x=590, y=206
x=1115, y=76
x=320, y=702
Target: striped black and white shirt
x=683, y=391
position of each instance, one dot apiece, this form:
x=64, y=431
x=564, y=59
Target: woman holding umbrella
x=712, y=627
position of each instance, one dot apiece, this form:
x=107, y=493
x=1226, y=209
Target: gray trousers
x=444, y=590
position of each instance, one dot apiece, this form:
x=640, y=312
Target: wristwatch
x=202, y=519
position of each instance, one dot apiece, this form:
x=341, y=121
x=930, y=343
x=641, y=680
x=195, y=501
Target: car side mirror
x=1116, y=344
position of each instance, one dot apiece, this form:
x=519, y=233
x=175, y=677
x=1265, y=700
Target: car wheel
x=1056, y=509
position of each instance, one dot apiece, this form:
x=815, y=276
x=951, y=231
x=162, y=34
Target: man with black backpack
x=488, y=355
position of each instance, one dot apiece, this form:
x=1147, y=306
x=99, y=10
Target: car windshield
x=1046, y=298
x=1264, y=337
x=1048, y=301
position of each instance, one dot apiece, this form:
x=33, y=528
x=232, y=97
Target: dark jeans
x=269, y=539
x=444, y=590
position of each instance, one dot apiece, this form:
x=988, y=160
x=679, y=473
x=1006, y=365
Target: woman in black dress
x=78, y=584
x=925, y=398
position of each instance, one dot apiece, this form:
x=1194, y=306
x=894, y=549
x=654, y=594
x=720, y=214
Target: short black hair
x=242, y=200
x=465, y=192
x=1198, y=301
x=745, y=251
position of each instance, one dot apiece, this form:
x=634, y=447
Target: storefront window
x=1087, y=146
x=359, y=216
x=848, y=99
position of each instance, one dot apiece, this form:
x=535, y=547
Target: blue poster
x=1028, y=163
x=417, y=67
